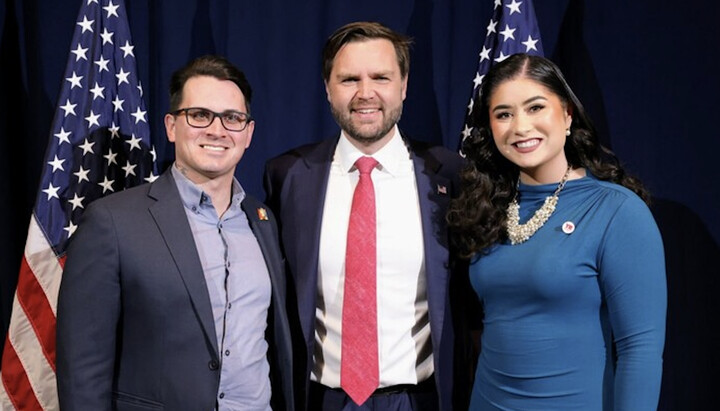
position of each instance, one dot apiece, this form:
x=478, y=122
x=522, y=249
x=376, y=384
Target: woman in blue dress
x=565, y=256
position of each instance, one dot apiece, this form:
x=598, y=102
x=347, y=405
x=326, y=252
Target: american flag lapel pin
x=262, y=214
x=441, y=189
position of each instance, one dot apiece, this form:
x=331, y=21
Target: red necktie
x=359, y=374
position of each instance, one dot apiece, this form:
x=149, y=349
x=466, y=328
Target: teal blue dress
x=574, y=319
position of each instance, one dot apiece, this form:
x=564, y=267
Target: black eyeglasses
x=199, y=117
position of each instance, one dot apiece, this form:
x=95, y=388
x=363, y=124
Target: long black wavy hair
x=478, y=216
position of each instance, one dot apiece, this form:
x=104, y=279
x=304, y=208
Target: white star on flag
x=106, y=185
x=139, y=115
x=79, y=53
x=111, y=9
x=115, y=131
x=68, y=108
x=485, y=53
x=76, y=201
x=82, y=175
x=152, y=177
x=86, y=147
x=106, y=36
x=127, y=49
x=117, y=104
x=97, y=91
x=122, y=77
x=129, y=169
x=478, y=79
x=70, y=228
x=530, y=44
x=63, y=136
x=492, y=27
x=56, y=164
x=102, y=63
x=466, y=132
x=110, y=157
x=508, y=33
x=514, y=7
x=501, y=57
x=51, y=192
x=93, y=119
x=86, y=24
x=74, y=80
x=134, y=142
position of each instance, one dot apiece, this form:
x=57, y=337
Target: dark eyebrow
x=381, y=74
x=526, y=102
x=532, y=99
x=346, y=76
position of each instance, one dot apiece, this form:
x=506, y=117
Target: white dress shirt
x=404, y=346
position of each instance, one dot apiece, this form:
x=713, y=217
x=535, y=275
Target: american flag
x=99, y=144
x=513, y=29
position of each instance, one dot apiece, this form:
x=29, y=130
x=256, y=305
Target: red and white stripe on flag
x=28, y=361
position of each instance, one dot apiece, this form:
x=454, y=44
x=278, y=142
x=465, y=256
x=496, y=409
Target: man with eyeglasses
x=173, y=293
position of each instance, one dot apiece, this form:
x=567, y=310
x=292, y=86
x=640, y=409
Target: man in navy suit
x=310, y=189
x=173, y=293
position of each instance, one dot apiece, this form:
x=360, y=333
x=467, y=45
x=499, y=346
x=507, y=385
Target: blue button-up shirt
x=239, y=286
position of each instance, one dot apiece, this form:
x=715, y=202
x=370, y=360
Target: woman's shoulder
x=623, y=209
x=617, y=193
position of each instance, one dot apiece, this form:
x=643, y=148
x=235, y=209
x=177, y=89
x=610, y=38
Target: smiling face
x=366, y=92
x=528, y=124
x=210, y=153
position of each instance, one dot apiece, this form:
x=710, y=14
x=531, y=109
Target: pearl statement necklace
x=519, y=233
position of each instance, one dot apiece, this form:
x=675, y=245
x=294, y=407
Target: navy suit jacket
x=135, y=327
x=295, y=184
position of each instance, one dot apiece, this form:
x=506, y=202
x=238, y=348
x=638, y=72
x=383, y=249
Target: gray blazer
x=135, y=328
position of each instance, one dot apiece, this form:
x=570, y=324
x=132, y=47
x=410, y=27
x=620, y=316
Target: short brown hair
x=361, y=31
x=210, y=65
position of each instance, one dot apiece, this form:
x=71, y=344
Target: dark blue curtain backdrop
x=646, y=70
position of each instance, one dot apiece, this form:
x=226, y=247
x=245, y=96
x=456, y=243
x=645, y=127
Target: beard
x=369, y=135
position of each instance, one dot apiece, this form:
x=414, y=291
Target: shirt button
x=194, y=208
x=213, y=365
x=229, y=306
x=227, y=353
x=222, y=395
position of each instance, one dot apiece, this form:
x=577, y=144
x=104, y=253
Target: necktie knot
x=365, y=164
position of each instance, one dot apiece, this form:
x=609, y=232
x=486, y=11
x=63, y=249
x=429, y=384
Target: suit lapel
x=258, y=219
x=307, y=196
x=267, y=237
x=434, y=196
x=171, y=220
